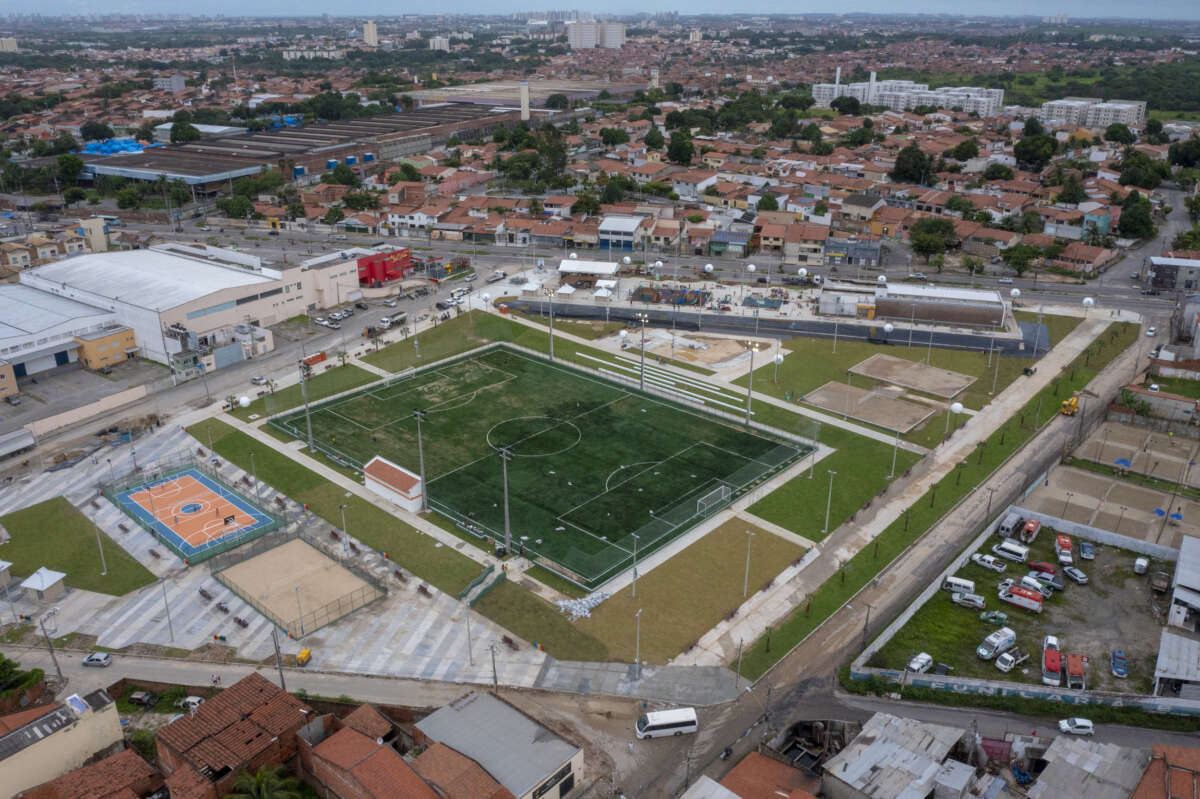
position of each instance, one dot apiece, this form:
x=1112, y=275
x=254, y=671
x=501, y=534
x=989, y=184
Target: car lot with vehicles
x=1095, y=609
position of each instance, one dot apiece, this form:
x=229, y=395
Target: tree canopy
x=912, y=166
x=681, y=150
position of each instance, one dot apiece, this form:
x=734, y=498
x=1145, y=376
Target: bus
x=661, y=723
x=114, y=221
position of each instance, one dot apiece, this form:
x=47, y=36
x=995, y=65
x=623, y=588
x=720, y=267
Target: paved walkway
x=769, y=608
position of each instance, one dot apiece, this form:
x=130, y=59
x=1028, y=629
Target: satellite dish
x=956, y=407
x=243, y=401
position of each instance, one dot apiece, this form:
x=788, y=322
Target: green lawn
x=684, y=597
x=594, y=463
x=449, y=338
x=537, y=621
x=933, y=505
x=1059, y=326
x=591, y=330
x=325, y=382
x=1178, y=385
x=862, y=466
x=56, y=535
x=438, y=565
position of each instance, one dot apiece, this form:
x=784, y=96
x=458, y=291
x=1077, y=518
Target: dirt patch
x=878, y=406
x=913, y=375
x=695, y=348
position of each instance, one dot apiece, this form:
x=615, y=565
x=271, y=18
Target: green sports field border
x=291, y=422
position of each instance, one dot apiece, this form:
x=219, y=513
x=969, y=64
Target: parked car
x=997, y=642
x=1076, y=726
x=205, y=228
x=320, y=320
x=918, y=276
x=258, y=380
x=1076, y=576
x=443, y=305
x=390, y=303
x=1053, y=581
x=1141, y=565
x=1005, y=281
x=1152, y=331
x=190, y=702
x=988, y=562
x=1043, y=566
x=1007, y=661
x=143, y=698
x=920, y=663
x=968, y=600
x=362, y=306
x=994, y=617
x=333, y=326
x=1087, y=550
x=1118, y=665
x=272, y=232
x=100, y=660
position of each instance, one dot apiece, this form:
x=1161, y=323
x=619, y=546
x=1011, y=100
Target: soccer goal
x=713, y=499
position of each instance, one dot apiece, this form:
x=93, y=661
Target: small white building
x=394, y=483
x=46, y=583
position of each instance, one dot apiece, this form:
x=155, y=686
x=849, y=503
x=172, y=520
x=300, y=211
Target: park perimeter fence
x=304, y=623
x=163, y=469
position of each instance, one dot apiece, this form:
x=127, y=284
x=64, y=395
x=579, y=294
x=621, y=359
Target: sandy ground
x=295, y=578
x=695, y=348
x=910, y=374
x=875, y=407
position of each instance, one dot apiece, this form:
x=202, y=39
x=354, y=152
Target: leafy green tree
x=236, y=207
x=93, y=130
x=912, y=166
x=1119, y=134
x=681, y=150
x=333, y=216
x=74, y=195
x=1185, y=153
x=1192, y=204
x=360, y=200
x=1072, y=192
x=613, y=192
x=343, y=176
x=611, y=137
x=535, y=207
x=586, y=203
x=654, y=139
x=1034, y=152
x=820, y=209
x=931, y=236
x=847, y=105
x=1138, y=169
x=811, y=132
x=558, y=101
x=69, y=167
x=128, y=197
x=1033, y=127
x=407, y=173
x=1188, y=240
x=997, y=172
x=960, y=204
x=269, y=782
x=295, y=209
x=183, y=132
x=965, y=150
x=1019, y=258
x=768, y=203
x=1135, y=222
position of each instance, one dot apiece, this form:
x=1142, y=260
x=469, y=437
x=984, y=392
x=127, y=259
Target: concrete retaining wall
x=1125, y=416
x=1101, y=536
x=41, y=427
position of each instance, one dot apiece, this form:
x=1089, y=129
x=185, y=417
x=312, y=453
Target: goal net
x=713, y=499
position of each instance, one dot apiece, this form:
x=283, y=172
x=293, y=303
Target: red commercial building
x=374, y=270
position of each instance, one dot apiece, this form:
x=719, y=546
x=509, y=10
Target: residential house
x=804, y=244
x=123, y=775
x=852, y=250
x=252, y=723
x=1084, y=258
x=665, y=234
x=349, y=764
x=690, y=185
x=456, y=776
x=888, y=221
x=892, y=758
x=527, y=759
x=990, y=242
x=770, y=238
x=44, y=743
x=857, y=210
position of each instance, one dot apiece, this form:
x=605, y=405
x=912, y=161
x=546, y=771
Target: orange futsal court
x=191, y=512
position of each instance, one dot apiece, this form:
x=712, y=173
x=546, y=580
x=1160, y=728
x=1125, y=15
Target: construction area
x=1135, y=450
x=913, y=375
x=881, y=406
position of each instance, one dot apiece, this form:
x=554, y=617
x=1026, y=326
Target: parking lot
x=1115, y=610
x=55, y=393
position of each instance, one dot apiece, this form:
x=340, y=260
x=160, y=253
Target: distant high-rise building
x=440, y=43
x=8, y=45
x=695, y=37
x=171, y=83
x=370, y=34
x=590, y=35
x=903, y=95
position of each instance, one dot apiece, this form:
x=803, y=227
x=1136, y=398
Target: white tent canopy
x=566, y=288
x=581, y=267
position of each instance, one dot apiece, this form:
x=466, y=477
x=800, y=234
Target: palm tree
x=267, y=783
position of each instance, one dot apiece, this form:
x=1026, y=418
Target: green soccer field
x=594, y=463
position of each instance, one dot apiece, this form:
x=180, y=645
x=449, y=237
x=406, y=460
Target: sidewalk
x=769, y=608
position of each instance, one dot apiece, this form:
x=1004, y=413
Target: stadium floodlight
x=419, y=415
x=641, y=317
x=750, y=387
x=505, y=457
x=305, y=371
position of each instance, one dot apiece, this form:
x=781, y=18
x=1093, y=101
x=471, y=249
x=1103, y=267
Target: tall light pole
x=635, y=543
x=419, y=415
x=895, y=447
x=505, y=456
x=304, y=371
x=345, y=530
x=167, y=608
x=750, y=386
x=467, y=611
x=550, y=296
x=828, y=501
x=955, y=408
x=778, y=360
x=254, y=472
x=641, y=317
x=103, y=565
x=746, y=581
x=637, y=642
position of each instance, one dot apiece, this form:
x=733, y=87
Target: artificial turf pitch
x=594, y=463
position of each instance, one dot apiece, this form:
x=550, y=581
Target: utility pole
x=750, y=386
x=50, y=646
x=746, y=581
x=254, y=472
x=828, y=502
x=637, y=643
x=278, y=658
x=635, y=543
x=419, y=415
x=495, y=680
x=167, y=608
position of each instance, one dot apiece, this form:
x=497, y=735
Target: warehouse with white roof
x=38, y=332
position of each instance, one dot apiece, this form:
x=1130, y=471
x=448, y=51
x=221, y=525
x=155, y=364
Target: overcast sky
x=1160, y=9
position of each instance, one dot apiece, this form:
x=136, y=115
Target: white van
x=1033, y=584
x=958, y=585
x=997, y=643
x=1010, y=525
x=661, y=723
x=1011, y=550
